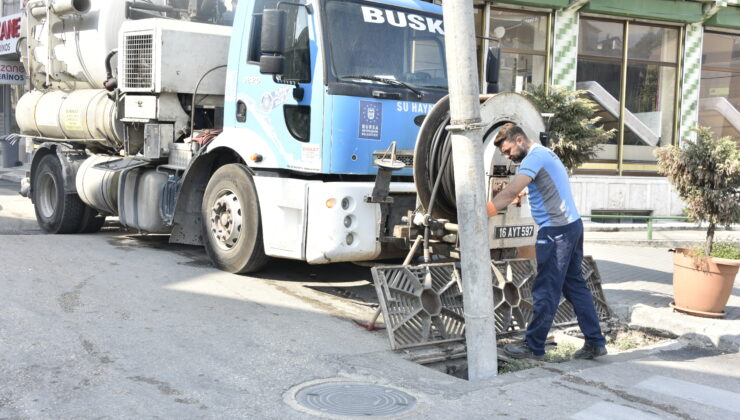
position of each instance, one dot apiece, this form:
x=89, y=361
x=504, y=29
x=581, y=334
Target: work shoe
x=521, y=351
x=589, y=352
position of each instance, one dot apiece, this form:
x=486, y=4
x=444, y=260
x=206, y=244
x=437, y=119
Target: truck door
x=277, y=112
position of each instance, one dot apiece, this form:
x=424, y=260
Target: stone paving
x=637, y=283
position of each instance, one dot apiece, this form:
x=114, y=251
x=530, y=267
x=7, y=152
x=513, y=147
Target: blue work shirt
x=549, y=193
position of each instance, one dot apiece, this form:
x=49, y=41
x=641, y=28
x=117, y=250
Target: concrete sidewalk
x=638, y=285
x=15, y=174
x=665, y=235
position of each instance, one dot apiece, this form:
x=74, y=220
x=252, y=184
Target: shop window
x=720, y=84
x=642, y=95
x=11, y=7
x=522, y=37
x=600, y=46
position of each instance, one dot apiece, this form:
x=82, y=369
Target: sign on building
x=10, y=33
x=12, y=73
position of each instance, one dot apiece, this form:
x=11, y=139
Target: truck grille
x=138, y=62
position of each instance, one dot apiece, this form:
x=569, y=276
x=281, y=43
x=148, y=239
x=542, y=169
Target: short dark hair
x=508, y=132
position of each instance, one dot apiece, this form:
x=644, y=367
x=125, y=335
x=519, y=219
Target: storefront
x=655, y=69
x=12, y=76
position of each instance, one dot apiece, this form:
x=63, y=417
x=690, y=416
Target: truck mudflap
x=417, y=316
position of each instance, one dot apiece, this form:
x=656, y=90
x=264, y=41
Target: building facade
x=12, y=78
x=655, y=68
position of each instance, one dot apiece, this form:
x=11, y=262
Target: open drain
x=337, y=398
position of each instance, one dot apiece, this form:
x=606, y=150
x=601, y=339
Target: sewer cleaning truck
x=311, y=130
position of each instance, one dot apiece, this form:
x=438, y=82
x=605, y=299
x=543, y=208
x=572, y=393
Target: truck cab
x=354, y=76
x=315, y=92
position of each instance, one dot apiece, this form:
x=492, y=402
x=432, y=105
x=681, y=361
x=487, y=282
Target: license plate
x=506, y=232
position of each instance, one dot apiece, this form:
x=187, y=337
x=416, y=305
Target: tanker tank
x=70, y=59
x=81, y=41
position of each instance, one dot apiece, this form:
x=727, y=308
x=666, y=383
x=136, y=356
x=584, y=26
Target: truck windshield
x=374, y=43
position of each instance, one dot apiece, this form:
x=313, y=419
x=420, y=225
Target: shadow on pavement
x=612, y=272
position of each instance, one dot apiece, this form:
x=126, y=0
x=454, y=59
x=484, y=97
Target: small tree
x=706, y=175
x=573, y=122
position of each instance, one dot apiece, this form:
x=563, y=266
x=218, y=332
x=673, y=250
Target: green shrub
x=580, y=138
x=706, y=175
x=729, y=250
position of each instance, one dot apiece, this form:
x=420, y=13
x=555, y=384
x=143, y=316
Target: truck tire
x=91, y=221
x=56, y=211
x=232, y=231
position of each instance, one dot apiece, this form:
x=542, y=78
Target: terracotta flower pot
x=702, y=286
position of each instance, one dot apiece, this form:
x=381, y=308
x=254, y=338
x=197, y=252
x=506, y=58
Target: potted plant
x=706, y=175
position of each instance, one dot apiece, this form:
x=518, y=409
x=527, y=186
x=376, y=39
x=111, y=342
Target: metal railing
x=648, y=218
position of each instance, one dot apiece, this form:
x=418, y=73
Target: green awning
x=667, y=10
x=729, y=17
x=553, y=4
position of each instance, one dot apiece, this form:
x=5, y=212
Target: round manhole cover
x=354, y=399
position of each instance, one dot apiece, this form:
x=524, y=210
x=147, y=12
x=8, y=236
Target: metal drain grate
x=416, y=316
x=512, y=293
x=566, y=315
x=514, y=277
x=354, y=399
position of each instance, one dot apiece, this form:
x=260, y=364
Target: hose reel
x=433, y=165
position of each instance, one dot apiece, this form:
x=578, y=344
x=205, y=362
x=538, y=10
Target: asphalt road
x=119, y=325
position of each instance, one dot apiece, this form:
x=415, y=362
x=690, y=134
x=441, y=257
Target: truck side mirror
x=493, y=68
x=272, y=41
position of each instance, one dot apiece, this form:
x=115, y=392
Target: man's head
x=512, y=142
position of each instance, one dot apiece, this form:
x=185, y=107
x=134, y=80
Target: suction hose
x=433, y=168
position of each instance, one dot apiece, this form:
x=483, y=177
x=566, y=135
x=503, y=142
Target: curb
x=655, y=243
x=14, y=174
x=723, y=334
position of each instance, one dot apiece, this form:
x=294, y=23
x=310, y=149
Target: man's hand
x=491, y=209
x=518, y=199
x=512, y=193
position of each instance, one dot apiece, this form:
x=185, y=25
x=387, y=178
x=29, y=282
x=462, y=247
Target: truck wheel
x=92, y=221
x=232, y=231
x=56, y=211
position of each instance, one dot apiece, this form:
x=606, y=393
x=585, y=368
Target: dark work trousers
x=559, y=257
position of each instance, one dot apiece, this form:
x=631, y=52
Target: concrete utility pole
x=480, y=327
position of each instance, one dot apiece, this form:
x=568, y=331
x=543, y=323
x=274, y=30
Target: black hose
x=108, y=67
x=440, y=178
x=441, y=170
x=110, y=83
x=195, y=93
x=434, y=170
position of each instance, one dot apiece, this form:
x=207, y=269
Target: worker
x=559, y=245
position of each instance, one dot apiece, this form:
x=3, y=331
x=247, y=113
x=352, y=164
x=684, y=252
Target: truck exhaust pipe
x=60, y=8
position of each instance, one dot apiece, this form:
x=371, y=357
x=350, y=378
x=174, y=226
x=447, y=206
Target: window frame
x=548, y=14
x=621, y=165
x=716, y=31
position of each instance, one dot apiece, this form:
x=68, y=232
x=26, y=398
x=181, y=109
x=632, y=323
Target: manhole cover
x=354, y=399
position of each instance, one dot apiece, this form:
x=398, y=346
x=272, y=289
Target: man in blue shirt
x=559, y=244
